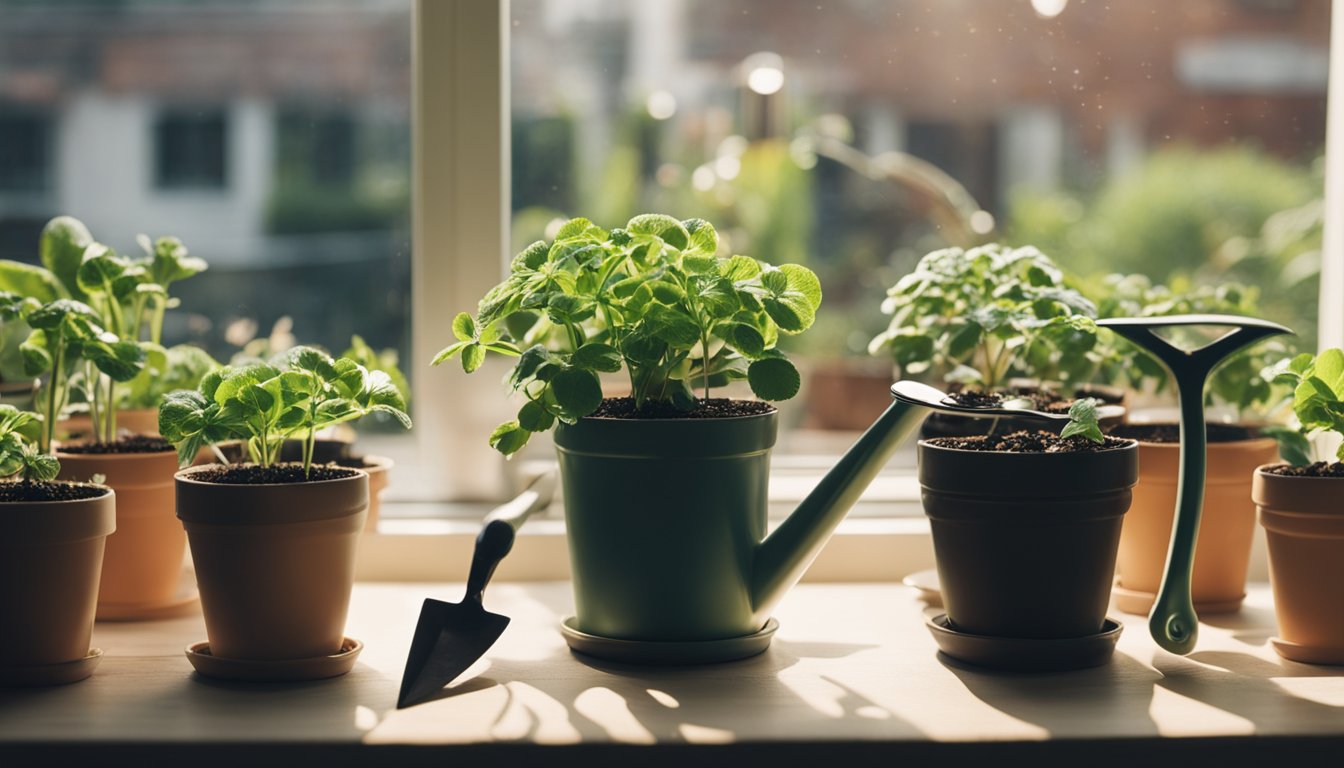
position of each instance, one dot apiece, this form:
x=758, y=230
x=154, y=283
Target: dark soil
x=276, y=474
x=1042, y=398
x=1026, y=442
x=972, y=398
x=1171, y=433
x=128, y=444
x=714, y=408
x=1318, y=469
x=45, y=491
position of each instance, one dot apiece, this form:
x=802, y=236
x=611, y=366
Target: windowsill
x=851, y=676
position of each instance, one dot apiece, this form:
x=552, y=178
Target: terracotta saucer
x=1017, y=654
x=926, y=582
x=1307, y=654
x=51, y=674
x=667, y=652
x=1139, y=602
x=283, y=670
x=180, y=606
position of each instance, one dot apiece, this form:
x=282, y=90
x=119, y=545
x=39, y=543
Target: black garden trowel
x=450, y=637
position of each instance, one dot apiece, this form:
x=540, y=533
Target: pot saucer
x=1140, y=602
x=664, y=652
x=282, y=670
x=926, y=582
x=51, y=674
x=1307, y=654
x=177, y=607
x=1017, y=654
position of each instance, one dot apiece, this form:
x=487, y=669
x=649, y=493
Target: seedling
x=19, y=454
x=1318, y=402
x=263, y=404
x=981, y=316
x=1083, y=421
x=652, y=298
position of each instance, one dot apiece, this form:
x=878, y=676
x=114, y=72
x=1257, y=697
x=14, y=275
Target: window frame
x=460, y=223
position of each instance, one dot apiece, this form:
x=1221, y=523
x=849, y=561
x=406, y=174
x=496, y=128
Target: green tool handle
x=1173, y=623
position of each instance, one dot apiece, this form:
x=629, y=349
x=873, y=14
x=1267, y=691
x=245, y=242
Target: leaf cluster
x=1083, y=421
x=982, y=315
x=1318, y=401
x=652, y=298
x=1236, y=382
x=263, y=404
x=19, y=455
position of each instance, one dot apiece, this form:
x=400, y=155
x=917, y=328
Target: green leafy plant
x=1318, y=402
x=983, y=315
x=652, y=298
x=263, y=404
x=1083, y=421
x=1236, y=383
x=101, y=322
x=19, y=454
x=379, y=360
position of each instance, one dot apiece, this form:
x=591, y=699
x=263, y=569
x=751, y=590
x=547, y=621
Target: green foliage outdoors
x=19, y=454
x=652, y=298
x=96, y=323
x=1083, y=421
x=1318, y=401
x=298, y=393
x=983, y=315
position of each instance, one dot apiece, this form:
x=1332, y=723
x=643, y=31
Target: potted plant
x=101, y=338
x=1025, y=528
x=982, y=319
x=1235, y=449
x=50, y=558
x=1299, y=504
x=274, y=542
x=664, y=488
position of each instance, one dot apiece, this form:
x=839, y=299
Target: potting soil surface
x=126, y=444
x=252, y=474
x=1026, y=442
x=19, y=490
x=713, y=408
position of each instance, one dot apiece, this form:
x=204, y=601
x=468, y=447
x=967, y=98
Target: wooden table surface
x=852, y=674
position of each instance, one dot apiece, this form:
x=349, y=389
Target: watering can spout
x=788, y=551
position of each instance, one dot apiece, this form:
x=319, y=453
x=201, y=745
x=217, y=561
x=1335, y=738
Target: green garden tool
x=1173, y=622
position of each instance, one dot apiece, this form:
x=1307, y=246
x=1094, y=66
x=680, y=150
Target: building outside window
x=191, y=150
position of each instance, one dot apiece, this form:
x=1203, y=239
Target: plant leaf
x=773, y=378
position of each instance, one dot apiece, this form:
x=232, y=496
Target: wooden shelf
x=852, y=675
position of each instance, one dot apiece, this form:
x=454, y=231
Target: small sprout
x=19, y=454
x=1083, y=421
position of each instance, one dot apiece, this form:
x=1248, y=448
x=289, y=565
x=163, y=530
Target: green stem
x=110, y=408
x=53, y=404
x=95, y=413
x=704, y=360
x=156, y=321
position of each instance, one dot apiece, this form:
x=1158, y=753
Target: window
x=191, y=150
x=25, y=151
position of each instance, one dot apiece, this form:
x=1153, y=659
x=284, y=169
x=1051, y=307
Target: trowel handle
x=501, y=525
x=1173, y=623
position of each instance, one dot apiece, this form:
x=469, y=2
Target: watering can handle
x=500, y=528
x=1173, y=623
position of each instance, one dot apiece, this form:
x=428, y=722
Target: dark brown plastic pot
x=275, y=563
x=142, y=566
x=1025, y=542
x=51, y=553
x=1303, y=519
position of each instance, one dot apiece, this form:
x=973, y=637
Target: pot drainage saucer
x=281, y=670
x=1308, y=654
x=667, y=652
x=1140, y=603
x=181, y=606
x=926, y=582
x=51, y=674
x=1018, y=654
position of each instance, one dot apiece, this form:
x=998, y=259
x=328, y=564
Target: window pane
x=271, y=136
x=1180, y=141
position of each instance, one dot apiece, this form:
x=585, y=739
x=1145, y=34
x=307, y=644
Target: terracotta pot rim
x=1276, y=478
x=1254, y=442
x=375, y=463
x=113, y=456
x=184, y=475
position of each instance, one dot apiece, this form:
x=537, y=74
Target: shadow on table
x=1252, y=625
x=1111, y=700
x=705, y=703
x=1243, y=685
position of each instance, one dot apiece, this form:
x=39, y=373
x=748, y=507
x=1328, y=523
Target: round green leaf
x=472, y=356
x=804, y=281
x=596, y=357
x=774, y=378
x=509, y=438
x=464, y=328
x=534, y=417
x=577, y=392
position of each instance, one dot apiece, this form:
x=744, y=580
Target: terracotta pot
x=51, y=553
x=379, y=469
x=1025, y=542
x=1303, y=519
x=137, y=421
x=275, y=563
x=143, y=564
x=1223, y=548
x=847, y=394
